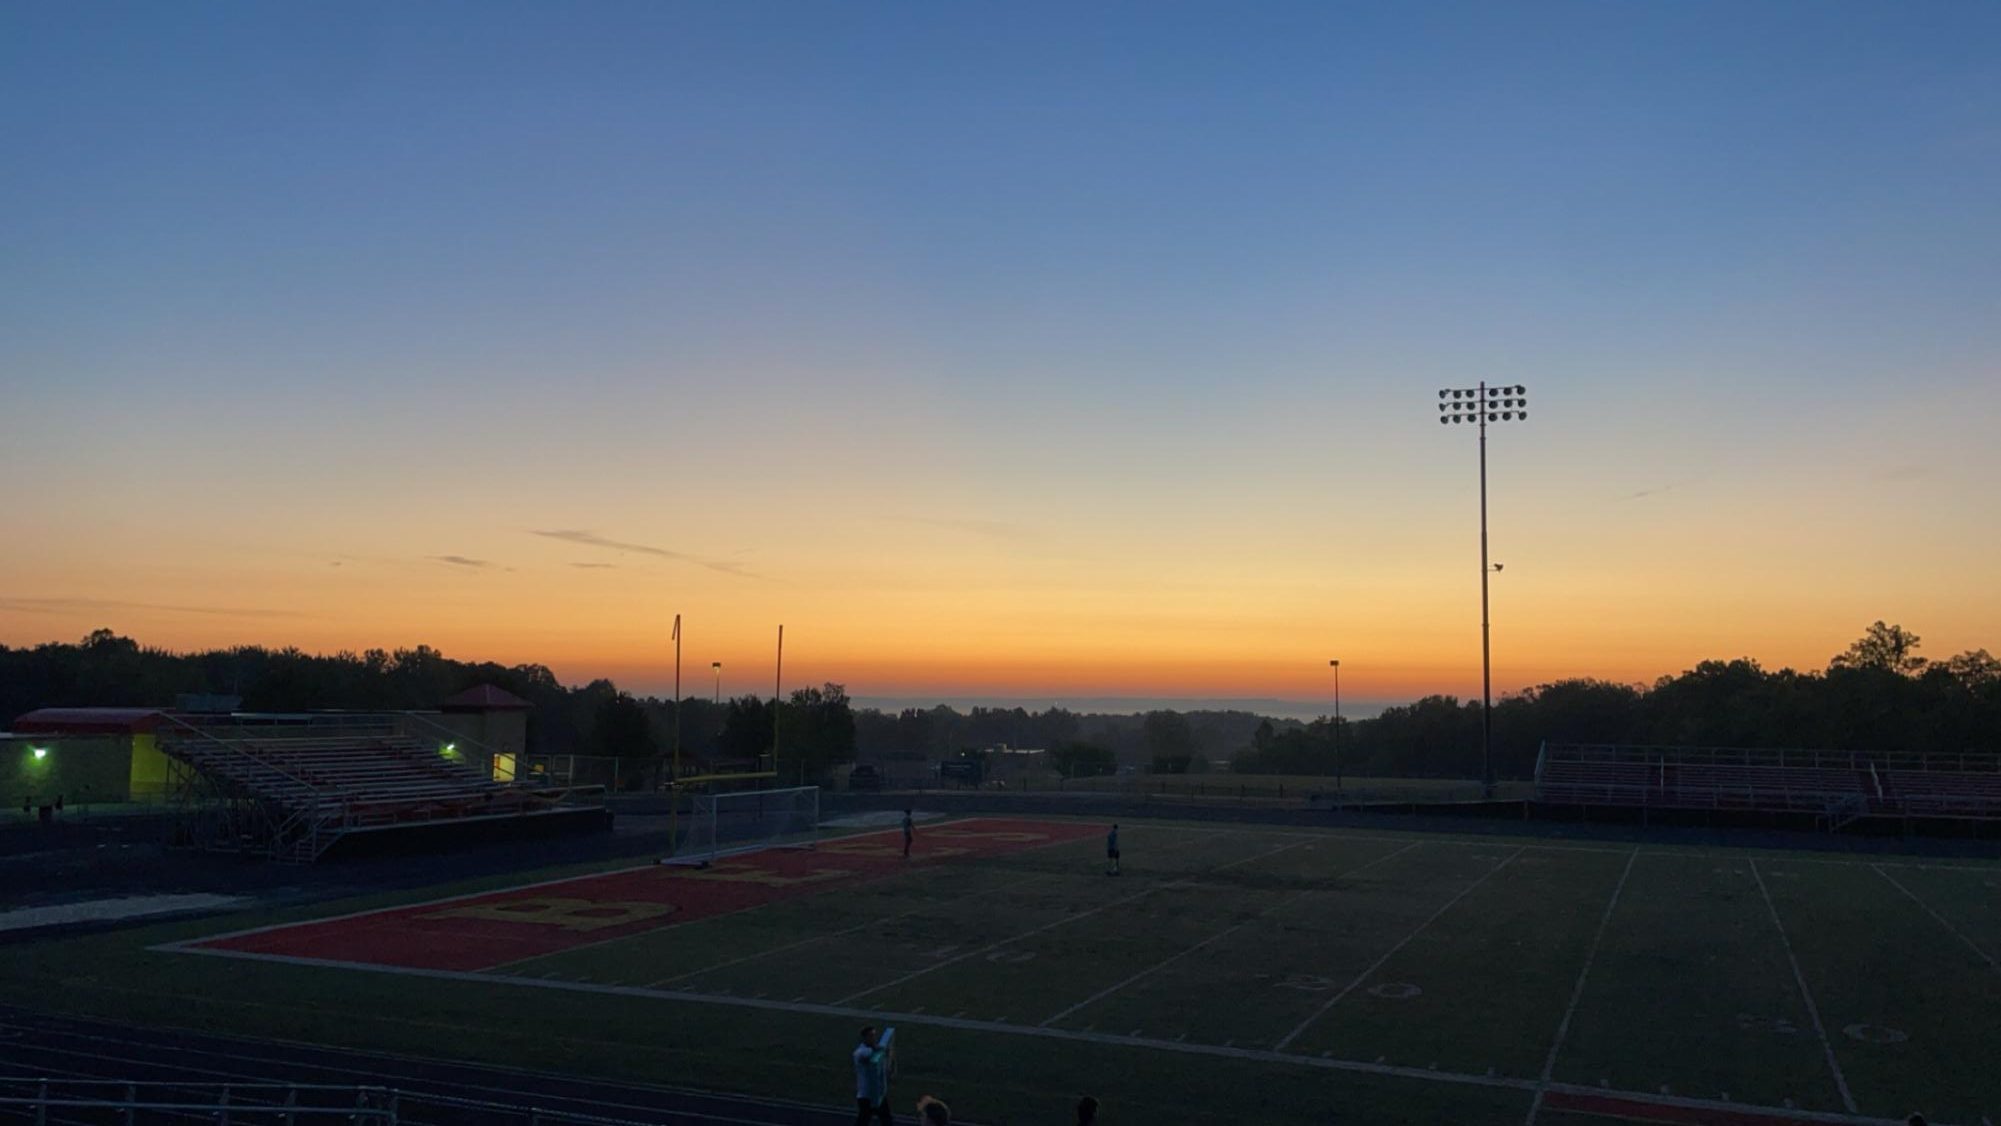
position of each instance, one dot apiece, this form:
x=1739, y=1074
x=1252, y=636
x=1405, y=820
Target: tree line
x=1879, y=694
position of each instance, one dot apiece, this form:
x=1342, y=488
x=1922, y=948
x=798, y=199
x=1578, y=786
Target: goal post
x=748, y=820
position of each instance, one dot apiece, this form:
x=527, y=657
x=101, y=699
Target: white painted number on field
x=1875, y=1034
x=943, y=951
x=1011, y=957
x=1395, y=990
x=1779, y=1025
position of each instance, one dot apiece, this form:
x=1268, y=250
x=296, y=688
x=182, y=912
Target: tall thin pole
x=1482, y=405
x=777, y=698
x=677, y=695
x=1336, y=666
x=674, y=791
x=718, y=667
x=1486, y=628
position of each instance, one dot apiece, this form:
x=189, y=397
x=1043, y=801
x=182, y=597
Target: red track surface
x=482, y=932
x=1625, y=1108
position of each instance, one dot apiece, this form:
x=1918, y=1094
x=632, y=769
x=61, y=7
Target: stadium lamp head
x=40, y=752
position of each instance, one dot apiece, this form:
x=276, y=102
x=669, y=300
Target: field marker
x=1217, y=937
x=1364, y=975
x=1812, y=1010
x=1941, y=919
x=990, y=947
x=1577, y=990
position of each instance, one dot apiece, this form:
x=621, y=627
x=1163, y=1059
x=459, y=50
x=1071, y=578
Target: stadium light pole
x=677, y=696
x=717, y=667
x=1481, y=405
x=1336, y=666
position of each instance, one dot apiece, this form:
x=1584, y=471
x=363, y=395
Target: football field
x=1228, y=974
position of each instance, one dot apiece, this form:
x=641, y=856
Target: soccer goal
x=747, y=820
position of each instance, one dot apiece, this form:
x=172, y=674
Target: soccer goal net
x=745, y=820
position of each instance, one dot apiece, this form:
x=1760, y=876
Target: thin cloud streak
x=595, y=566
x=462, y=561
x=592, y=539
x=94, y=605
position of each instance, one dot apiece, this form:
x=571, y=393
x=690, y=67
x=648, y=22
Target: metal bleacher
x=292, y=787
x=1836, y=787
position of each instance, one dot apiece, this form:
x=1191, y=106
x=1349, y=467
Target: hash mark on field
x=1812, y=1010
x=1378, y=963
x=1941, y=919
x=1049, y=926
x=1577, y=990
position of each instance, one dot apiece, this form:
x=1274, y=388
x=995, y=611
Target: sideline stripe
x=1066, y=920
x=1577, y=991
x=1942, y=921
x=1812, y=1010
x=1378, y=963
x=1220, y=935
x=1182, y=1047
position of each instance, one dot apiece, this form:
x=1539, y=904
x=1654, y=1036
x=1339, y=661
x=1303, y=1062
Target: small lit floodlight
x=40, y=752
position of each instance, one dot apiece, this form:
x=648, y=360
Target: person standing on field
x=873, y=1057
x=1112, y=852
x=909, y=833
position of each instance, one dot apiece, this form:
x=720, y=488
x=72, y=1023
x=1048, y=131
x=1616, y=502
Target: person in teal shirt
x=873, y=1058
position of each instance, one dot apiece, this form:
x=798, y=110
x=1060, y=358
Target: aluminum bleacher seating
x=1839, y=786
x=310, y=787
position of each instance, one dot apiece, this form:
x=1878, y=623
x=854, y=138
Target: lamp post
x=1481, y=405
x=677, y=697
x=1336, y=666
x=717, y=666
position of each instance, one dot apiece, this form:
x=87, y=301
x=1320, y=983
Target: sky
x=1036, y=350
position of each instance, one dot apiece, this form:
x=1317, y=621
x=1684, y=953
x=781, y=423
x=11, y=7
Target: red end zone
x=485, y=931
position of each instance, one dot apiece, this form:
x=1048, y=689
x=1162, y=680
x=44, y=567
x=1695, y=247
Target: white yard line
x=1812, y=1010
x=1577, y=991
x=1940, y=919
x=1378, y=963
x=1065, y=921
x=1180, y=1047
x=1217, y=937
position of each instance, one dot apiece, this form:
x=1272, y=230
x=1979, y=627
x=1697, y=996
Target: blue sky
x=1112, y=298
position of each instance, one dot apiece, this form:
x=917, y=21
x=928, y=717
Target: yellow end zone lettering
x=870, y=848
x=740, y=873
x=974, y=834
x=556, y=911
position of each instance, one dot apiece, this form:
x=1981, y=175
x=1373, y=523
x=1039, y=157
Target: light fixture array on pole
x=1480, y=405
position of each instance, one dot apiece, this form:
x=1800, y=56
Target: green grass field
x=1230, y=974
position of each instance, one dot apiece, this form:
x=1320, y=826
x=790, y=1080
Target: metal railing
x=43, y=1100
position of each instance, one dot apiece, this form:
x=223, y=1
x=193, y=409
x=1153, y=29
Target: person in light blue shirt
x=873, y=1058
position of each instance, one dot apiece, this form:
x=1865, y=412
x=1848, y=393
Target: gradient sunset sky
x=1003, y=349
